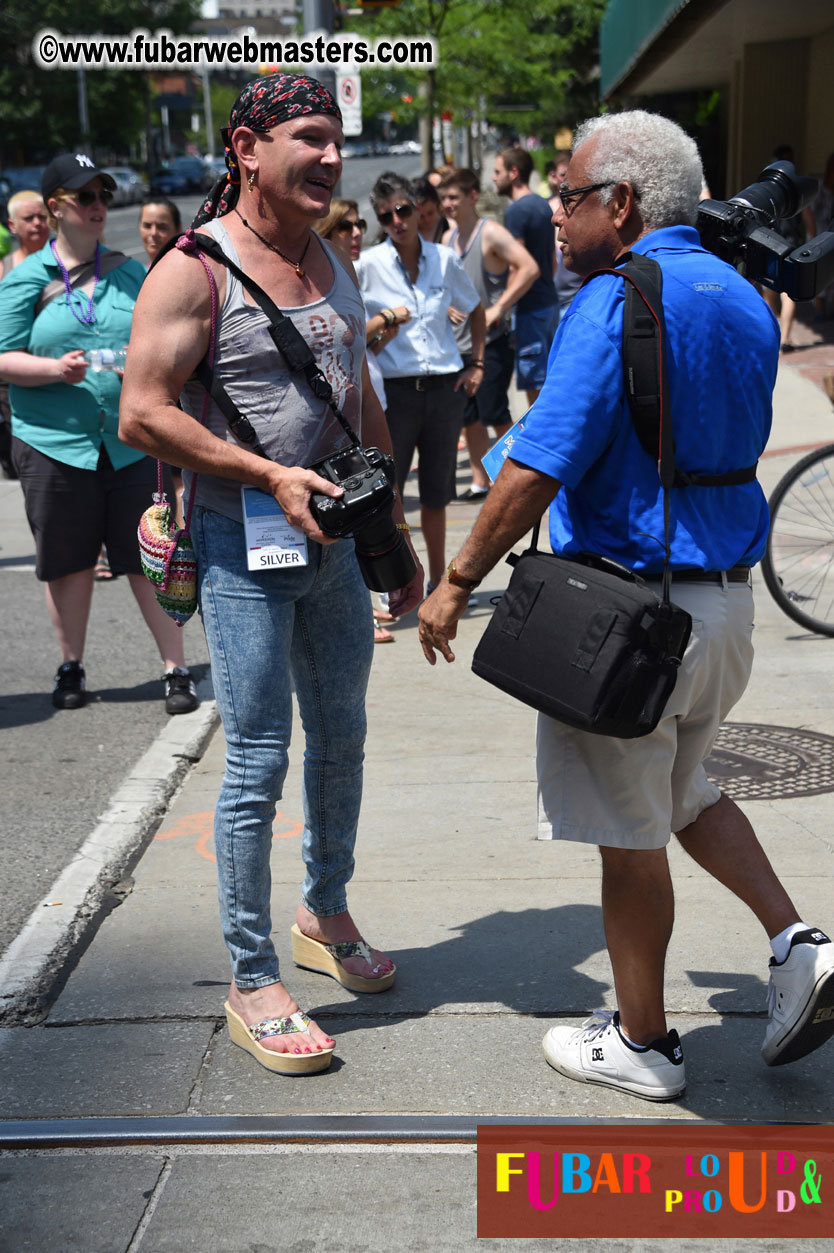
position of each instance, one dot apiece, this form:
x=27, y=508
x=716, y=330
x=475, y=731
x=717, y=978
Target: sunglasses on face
x=403, y=211
x=347, y=228
x=86, y=197
x=568, y=195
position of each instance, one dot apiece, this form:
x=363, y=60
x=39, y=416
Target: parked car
x=169, y=182
x=18, y=178
x=130, y=188
x=183, y=174
x=216, y=167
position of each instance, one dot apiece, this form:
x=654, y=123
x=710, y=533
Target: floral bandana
x=263, y=103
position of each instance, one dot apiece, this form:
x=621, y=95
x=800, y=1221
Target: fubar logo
x=660, y=1180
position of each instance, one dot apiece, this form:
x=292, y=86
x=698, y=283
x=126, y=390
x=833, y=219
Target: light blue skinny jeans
x=306, y=627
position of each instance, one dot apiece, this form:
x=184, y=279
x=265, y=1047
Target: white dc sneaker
x=800, y=999
x=597, y=1052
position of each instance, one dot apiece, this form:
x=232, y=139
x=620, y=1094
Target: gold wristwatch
x=458, y=580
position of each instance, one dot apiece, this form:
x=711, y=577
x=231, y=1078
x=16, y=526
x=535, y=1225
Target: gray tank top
x=488, y=286
x=294, y=427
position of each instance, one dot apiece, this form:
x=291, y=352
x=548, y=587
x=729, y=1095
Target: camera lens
x=779, y=192
x=384, y=557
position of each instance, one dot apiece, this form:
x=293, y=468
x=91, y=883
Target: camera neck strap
x=287, y=339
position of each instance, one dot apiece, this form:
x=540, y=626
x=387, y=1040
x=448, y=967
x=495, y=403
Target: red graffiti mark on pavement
x=202, y=826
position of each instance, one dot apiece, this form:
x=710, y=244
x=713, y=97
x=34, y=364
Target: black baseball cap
x=72, y=170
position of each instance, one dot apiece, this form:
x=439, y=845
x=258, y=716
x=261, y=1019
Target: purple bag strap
x=187, y=243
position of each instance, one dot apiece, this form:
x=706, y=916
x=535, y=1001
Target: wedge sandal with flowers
x=327, y=959
x=249, y=1039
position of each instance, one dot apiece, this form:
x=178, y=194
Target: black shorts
x=490, y=405
x=430, y=421
x=72, y=512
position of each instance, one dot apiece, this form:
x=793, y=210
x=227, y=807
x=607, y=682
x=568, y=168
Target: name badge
x=272, y=543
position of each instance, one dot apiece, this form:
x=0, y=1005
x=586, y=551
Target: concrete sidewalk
x=494, y=933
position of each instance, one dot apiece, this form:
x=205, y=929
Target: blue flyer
x=501, y=449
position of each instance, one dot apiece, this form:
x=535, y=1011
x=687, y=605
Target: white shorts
x=635, y=793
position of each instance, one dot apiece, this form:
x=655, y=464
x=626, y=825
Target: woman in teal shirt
x=82, y=486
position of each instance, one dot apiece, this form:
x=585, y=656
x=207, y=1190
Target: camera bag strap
x=643, y=331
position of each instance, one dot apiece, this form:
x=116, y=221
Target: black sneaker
x=180, y=692
x=69, y=690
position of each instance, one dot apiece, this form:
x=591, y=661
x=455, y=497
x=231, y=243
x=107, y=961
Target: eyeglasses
x=347, y=227
x=568, y=195
x=403, y=211
x=86, y=197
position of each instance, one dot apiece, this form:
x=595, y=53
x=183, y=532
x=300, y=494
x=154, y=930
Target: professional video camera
x=740, y=231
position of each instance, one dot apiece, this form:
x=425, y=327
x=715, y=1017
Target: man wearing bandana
x=306, y=627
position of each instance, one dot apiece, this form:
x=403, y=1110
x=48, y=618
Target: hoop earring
x=250, y=182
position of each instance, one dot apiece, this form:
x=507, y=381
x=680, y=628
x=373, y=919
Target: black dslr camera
x=740, y=231
x=367, y=479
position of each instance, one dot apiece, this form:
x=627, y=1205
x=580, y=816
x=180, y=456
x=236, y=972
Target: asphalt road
x=59, y=769
x=358, y=177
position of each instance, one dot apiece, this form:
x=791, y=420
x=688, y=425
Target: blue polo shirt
x=722, y=348
x=426, y=343
x=69, y=422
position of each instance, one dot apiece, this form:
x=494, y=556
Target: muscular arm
x=170, y=336
x=477, y=327
x=504, y=249
x=519, y=497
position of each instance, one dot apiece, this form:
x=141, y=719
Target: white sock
x=781, y=943
x=640, y=1048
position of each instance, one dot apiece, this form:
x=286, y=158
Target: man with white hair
x=632, y=186
x=29, y=225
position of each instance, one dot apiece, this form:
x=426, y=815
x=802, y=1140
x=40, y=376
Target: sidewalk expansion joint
x=263, y=1130
x=150, y=1209
x=371, y=1016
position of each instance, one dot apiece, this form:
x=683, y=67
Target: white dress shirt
x=426, y=343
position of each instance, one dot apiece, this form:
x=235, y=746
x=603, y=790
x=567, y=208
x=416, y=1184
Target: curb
x=76, y=901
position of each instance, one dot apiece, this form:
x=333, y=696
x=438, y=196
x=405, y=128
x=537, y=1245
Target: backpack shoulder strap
x=645, y=374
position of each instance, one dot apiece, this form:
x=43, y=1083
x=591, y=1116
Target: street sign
x=349, y=96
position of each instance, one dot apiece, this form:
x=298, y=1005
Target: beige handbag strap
x=78, y=276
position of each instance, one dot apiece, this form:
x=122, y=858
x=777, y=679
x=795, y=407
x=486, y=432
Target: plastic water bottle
x=105, y=358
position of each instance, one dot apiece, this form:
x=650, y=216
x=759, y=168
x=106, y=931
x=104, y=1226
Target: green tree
x=532, y=62
x=39, y=108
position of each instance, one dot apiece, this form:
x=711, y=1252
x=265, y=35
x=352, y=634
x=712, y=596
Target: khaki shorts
x=635, y=793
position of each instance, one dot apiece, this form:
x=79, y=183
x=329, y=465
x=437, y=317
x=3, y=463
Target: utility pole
x=318, y=15
x=83, y=111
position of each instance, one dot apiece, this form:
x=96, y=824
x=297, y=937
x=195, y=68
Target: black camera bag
x=583, y=639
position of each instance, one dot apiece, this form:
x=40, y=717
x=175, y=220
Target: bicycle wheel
x=798, y=566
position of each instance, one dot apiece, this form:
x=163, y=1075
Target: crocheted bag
x=168, y=558
x=166, y=552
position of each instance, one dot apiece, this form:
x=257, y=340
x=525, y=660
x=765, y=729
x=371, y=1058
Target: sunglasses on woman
x=402, y=211
x=346, y=227
x=86, y=197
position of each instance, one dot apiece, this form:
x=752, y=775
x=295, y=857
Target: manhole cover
x=751, y=762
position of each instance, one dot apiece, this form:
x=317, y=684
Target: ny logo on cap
x=84, y=160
